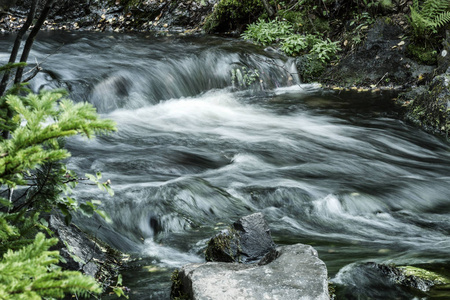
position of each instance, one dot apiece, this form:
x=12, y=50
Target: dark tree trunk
x=26, y=51
x=268, y=8
x=31, y=37
x=16, y=46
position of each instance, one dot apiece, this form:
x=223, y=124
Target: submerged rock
x=247, y=241
x=412, y=277
x=297, y=273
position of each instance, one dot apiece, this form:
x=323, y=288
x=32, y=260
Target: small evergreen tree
x=31, y=158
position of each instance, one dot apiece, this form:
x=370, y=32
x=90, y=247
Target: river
x=212, y=129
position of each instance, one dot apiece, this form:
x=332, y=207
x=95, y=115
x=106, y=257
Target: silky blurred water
x=197, y=148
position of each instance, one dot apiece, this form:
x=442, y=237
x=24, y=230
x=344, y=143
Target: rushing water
x=195, y=151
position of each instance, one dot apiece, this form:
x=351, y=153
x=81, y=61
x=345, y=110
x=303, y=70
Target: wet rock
x=81, y=253
x=412, y=277
x=399, y=276
x=443, y=57
x=429, y=107
x=381, y=281
x=62, y=10
x=6, y=4
x=247, y=241
x=297, y=273
x=381, y=60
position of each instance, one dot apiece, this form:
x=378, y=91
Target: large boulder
x=429, y=107
x=382, y=59
x=297, y=273
x=81, y=253
x=247, y=241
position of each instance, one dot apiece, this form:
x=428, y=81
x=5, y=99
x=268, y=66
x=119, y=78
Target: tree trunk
x=26, y=51
x=16, y=46
x=268, y=8
x=31, y=37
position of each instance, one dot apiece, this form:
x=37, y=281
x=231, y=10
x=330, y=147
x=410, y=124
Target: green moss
x=305, y=22
x=331, y=290
x=423, y=54
x=232, y=15
x=223, y=247
x=177, y=287
x=310, y=67
x=436, y=278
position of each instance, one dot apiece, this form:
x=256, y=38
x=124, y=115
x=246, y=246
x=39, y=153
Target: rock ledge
x=297, y=273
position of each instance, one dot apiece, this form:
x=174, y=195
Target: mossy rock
x=423, y=54
x=431, y=109
x=231, y=15
x=305, y=22
x=247, y=241
x=223, y=247
x=417, y=278
x=423, y=274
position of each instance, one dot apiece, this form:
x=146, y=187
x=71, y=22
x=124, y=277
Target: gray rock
x=382, y=58
x=247, y=241
x=443, y=57
x=297, y=274
x=81, y=253
x=430, y=109
x=77, y=250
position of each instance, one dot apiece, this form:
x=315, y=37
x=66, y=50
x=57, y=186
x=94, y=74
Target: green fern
x=442, y=19
x=429, y=16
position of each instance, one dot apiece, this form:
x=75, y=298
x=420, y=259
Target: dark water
x=196, y=151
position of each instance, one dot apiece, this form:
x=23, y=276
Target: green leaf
x=87, y=210
x=104, y=215
x=119, y=292
x=91, y=177
x=96, y=202
x=109, y=190
x=43, y=222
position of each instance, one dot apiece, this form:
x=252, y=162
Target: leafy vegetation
x=244, y=77
x=230, y=14
x=268, y=32
x=319, y=52
x=428, y=16
x=33, y=179
x=426, y=20
x=32, y=273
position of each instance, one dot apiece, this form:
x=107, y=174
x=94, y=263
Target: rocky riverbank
x=86, y=15
x=377, y=61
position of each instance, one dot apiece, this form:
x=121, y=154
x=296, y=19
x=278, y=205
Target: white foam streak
x=222, y=115
x=167, y=256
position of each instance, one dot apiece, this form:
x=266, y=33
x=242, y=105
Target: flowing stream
x=212, y=129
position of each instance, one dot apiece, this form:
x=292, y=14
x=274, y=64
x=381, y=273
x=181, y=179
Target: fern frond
x=442, y=19
x=429, y=16
x=432, y=7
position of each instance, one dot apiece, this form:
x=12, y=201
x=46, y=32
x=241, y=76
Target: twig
x=38, y=68
x=381, y=78
x=11, y=191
